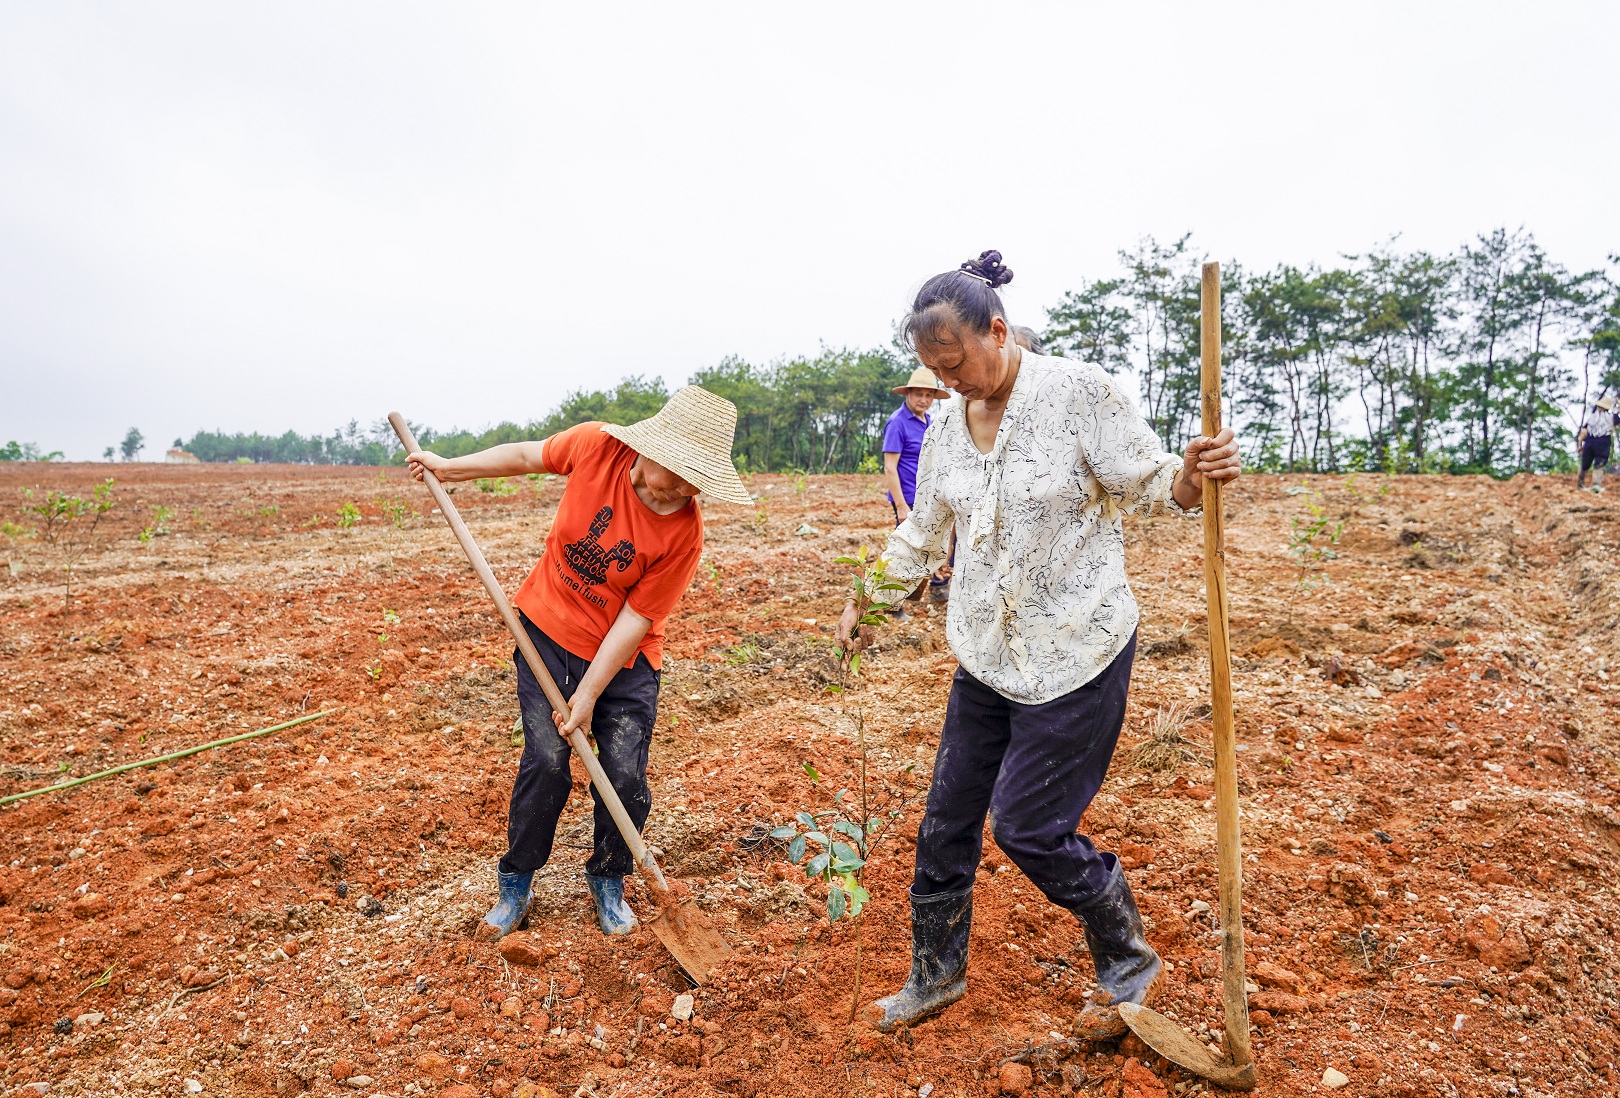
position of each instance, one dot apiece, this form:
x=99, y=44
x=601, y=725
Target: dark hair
x=1031, y=338
x=966, y=295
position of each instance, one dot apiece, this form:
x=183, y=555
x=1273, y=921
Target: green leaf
x=860, y=896
x=845, y=560
x=796, y=849
x=805, y=818
x=873, y=825
x=838, y=798
x=860, y=556
x=817, y=837
x=817, y=865
x=893, y=586
x=851, y=830
x=837, y=904
x=815, y=777
x=834, y=688
x=844, y=852
x=783, y=832
x=855, y=663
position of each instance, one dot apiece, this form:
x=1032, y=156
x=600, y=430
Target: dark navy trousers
x=622, y=726
x=1033, y=769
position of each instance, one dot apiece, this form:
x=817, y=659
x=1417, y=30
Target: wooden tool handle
x=1228, y=840
x=581, y=746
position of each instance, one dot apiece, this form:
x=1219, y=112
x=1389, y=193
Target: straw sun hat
x=1606, y=403
x=922, y=378
x=691, y=437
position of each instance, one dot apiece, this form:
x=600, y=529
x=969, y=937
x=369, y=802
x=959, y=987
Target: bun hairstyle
x=966, y=296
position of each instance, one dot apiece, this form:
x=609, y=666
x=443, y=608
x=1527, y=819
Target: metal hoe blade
x=691, y=939
x=1178, y=1046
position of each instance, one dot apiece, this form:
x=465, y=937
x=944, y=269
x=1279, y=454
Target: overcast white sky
x=263, y=216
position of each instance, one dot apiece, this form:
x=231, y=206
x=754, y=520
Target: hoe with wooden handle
x=686, y=932
x=1236, y=1071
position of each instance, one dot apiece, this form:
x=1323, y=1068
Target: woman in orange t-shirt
x=622, y=549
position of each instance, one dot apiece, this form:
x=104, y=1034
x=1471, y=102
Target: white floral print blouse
x=1039, y=600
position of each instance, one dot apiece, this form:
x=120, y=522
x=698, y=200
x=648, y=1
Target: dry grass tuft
x=1166, y=748
x=1176, y=644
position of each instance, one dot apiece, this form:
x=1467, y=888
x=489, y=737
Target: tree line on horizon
x=1476, y=361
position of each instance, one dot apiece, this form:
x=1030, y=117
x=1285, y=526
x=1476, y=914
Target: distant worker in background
x=1594, y=440
x=902, y=446
x=1028, y=338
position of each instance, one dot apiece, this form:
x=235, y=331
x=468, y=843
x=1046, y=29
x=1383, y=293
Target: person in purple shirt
x=902, y=446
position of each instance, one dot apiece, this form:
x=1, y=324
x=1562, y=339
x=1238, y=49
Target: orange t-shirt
x=606, y=547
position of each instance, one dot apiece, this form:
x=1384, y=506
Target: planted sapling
x=67, y=526
x=845, y=834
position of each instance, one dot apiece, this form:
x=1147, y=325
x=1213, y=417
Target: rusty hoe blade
x=1178, y=1046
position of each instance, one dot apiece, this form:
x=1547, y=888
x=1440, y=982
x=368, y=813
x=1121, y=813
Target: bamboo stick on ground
x=171, y=756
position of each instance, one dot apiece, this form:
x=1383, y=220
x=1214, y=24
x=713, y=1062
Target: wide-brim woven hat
x=1606, y=403
x=922, y=378
x=691, y=437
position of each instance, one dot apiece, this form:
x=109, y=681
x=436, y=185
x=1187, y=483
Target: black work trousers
x=1033, y=769
x=622, y=726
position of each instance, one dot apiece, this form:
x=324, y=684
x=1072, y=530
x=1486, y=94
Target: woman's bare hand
x=851, y=639
x=1215, y=458
x=430, y=462
x=581, y=707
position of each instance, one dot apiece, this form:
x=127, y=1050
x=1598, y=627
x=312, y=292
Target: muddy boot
x=1128, y=971
x=511, y=910
x=939, y=953
x=613, y=915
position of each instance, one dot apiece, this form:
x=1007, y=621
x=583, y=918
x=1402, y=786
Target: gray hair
x=1028, y=338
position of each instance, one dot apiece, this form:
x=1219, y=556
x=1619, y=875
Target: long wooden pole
x=1228, y=842
x=582, y=747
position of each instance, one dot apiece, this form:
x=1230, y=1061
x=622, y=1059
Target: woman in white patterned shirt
x=1033, y=468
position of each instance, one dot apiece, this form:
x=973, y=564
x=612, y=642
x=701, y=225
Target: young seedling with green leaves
x=843, y=836
x=842, y=841
x=867, y=582
x=159, y=527
x=67, y=526
x=1312, y=536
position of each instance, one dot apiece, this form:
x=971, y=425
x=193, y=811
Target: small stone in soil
x=64, y=1025
x=682, y=1008
x=1333, y=1079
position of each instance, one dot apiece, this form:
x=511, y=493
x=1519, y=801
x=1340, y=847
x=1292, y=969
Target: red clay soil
x=1426, y=734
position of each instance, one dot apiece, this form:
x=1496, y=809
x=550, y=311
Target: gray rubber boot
x=511, y=909
x=1128, y=970
x=940, y=926
x=613, y=915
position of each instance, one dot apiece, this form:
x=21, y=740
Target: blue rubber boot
x=613, y=915
x=511, y=910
